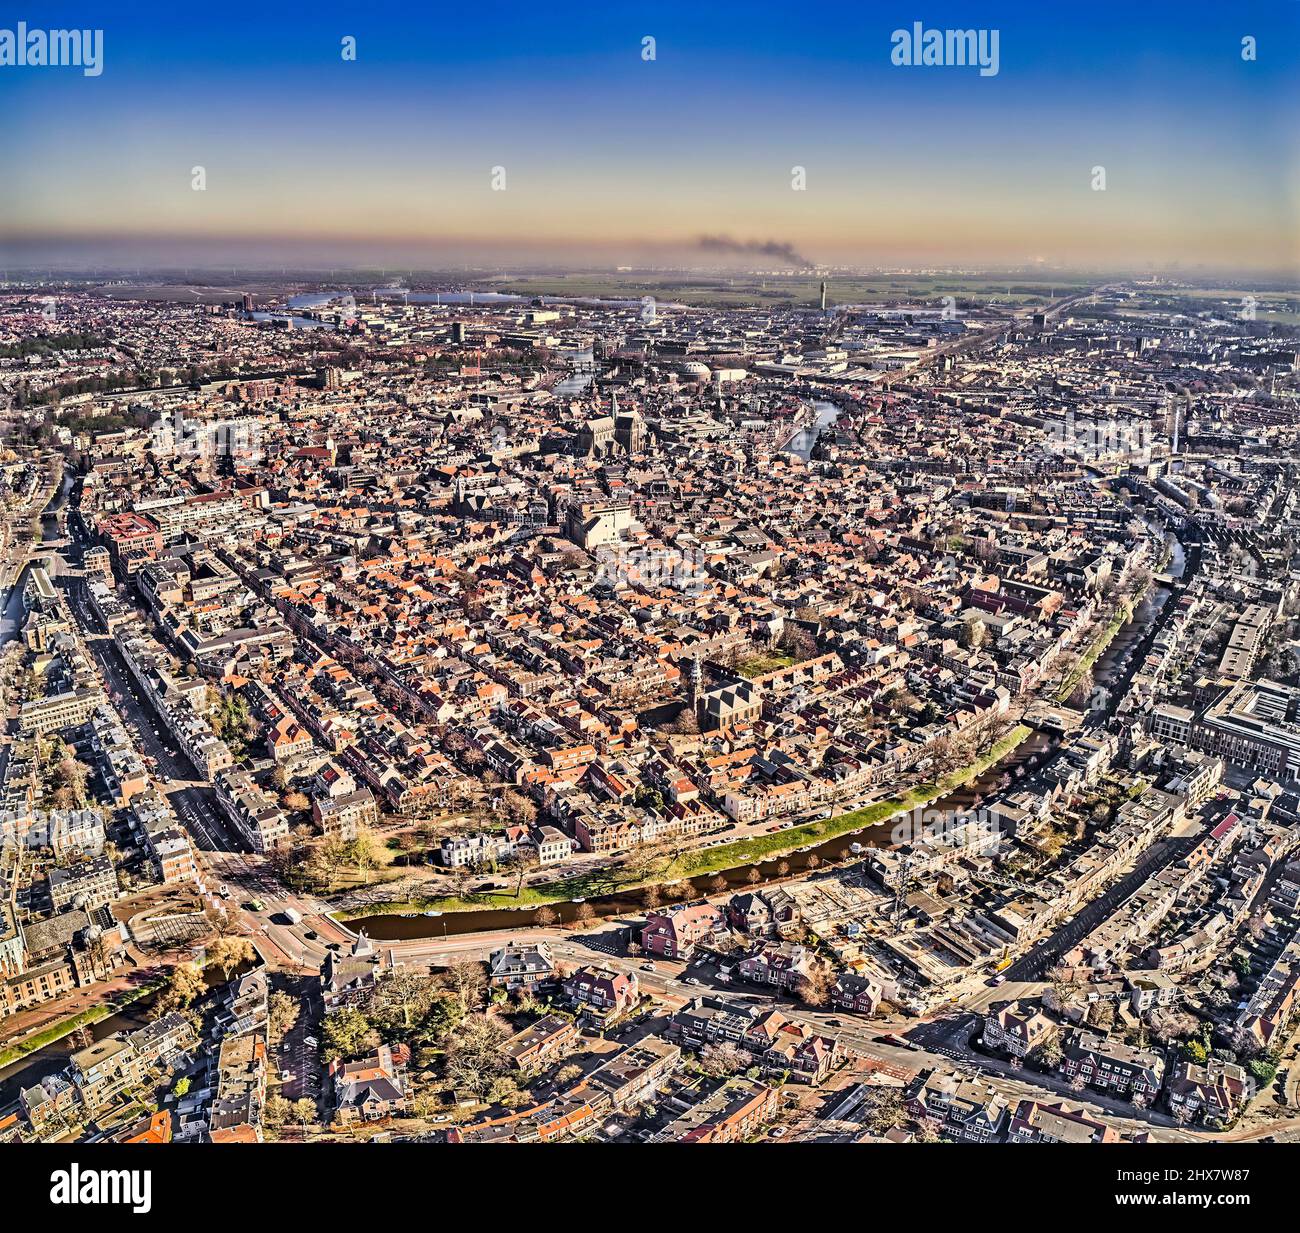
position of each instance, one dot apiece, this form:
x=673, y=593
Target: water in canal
x=390, y=928
x=802, y=442
x=54, y=1057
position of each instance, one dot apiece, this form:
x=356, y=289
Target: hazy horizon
x=613, y=160
x=214, y=256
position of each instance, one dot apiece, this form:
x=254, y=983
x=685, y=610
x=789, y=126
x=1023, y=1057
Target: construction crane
x=900, y=892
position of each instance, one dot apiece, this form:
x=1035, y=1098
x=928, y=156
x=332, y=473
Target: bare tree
x=467, y=979
x=722, y=1059
x=522, y=860
x=813, y=987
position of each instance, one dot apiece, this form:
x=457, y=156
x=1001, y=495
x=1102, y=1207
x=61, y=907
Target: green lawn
x=756, y=665
x=65, y=1027
x=56, y=1031
x=763, y=847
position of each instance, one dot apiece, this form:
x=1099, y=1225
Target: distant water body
x=299, y=323
x=802, y=442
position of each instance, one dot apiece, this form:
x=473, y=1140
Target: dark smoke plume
x=756, y=248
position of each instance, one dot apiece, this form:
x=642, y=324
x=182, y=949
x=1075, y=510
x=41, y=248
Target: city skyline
x=650, y=575
x=611, y=159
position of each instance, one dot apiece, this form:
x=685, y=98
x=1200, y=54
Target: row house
x=1016, y=1028
x=962, y=1109
x=1263, y=1021
x=343, y=816
x=256, y=817
x=239, y=1089
x=91, y=883
x=769, y=800
x=550, y=1036
x=764, y=913
x=1213, y=1093
x=1091, y=1060
x=550, y=844
x=783, y=965
x=705, y=1021
x=626, y=1080
x=1036, y=1121
x=798, y=1052
x=167, y=843
x=107, y=1070
x=50, y=1105
x=731, y=1114
x=601, y=993
x=857, y=992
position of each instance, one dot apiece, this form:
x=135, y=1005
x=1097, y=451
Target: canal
x=1114, y=669
x=53, y=1058
x=1027, y=757
x=801, y=444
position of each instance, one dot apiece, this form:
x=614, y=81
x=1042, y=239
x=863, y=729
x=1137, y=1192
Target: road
x=302, y=947
x=942, y=1042
x=297, y=1061
x=952, y=1038
x=218, y=849
x=1035, y=963
x=977, y=338
x=249, y=876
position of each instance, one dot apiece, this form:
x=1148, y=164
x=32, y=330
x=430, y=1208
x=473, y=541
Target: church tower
x=695, y=684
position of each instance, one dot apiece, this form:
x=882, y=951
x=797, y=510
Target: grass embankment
x=692, y=864
x=762, y=847
x=1117, y=622
x=65, y=1027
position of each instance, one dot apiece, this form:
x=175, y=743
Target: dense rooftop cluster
x=603, y=597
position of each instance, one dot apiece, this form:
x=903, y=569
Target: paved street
x=1035, y=964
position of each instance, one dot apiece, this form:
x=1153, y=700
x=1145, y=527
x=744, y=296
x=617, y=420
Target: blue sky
x=609, y=155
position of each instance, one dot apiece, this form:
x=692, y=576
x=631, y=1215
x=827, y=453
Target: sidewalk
x=24, y=1024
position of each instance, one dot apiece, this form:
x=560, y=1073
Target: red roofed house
x=604, y=993
x=675, y=932
x=288, y=739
